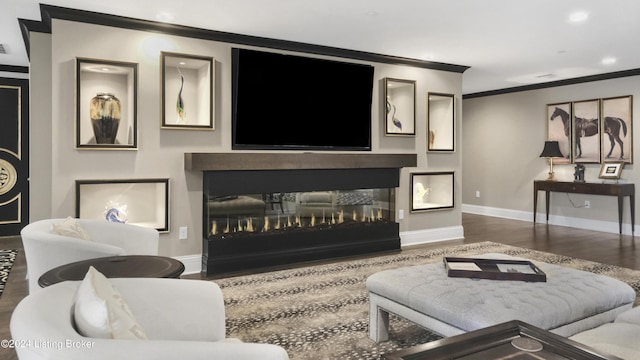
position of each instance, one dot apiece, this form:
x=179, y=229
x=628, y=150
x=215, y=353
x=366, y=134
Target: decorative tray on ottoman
x=494, y=269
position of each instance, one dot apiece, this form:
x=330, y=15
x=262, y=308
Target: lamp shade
x=551, y=149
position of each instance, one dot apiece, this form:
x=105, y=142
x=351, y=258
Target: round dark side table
x=115, y=267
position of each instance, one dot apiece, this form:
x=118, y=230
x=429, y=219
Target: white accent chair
x=183, y=319
x=45, y=250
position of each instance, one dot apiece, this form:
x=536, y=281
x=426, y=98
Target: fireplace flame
x=247, y=224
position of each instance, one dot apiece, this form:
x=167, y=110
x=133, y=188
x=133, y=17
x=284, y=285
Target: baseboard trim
x=574, y=222
x=417, y=237
x=192, y=263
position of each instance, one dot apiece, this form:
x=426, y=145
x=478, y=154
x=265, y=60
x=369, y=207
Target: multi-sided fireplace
x=277, y=212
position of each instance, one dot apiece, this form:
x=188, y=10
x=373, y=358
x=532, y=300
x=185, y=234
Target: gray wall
x=56, y=164
x=503, y=137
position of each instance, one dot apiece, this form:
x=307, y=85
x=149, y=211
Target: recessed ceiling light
x=578, y=16
x=427, y=57
x=547, y=75
x=609, y=61
x=372, y=13
x=165, y=16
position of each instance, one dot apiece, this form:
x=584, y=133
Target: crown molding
x=49, y=12
x=572, y=81
x=14, y=69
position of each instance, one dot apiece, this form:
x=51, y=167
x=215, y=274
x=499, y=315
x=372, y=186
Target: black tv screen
x=285, y=102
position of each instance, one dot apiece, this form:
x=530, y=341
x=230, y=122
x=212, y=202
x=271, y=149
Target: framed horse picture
x=586, y=132
x=617, y=134
x=559, y=129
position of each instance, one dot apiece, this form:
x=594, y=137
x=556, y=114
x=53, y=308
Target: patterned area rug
x=7, y=257
x=321, y=312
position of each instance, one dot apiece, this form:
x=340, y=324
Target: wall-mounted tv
x=287, y=102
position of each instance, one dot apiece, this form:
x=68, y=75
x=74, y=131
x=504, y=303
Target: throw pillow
x=101, y=312
x=70, y=227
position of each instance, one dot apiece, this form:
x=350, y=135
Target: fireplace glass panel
x=234, y=215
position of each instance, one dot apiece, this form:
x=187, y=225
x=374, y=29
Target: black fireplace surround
x=264, y=210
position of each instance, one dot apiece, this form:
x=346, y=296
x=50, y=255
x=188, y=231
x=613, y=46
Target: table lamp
x=551, y=150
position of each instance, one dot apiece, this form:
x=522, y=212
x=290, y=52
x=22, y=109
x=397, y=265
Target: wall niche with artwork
x=440, y=122
x=142, y=202
x=400, y=107
x=187, y=99
x=106, y=104
x=432, y=191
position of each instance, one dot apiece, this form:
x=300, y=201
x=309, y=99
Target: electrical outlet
x=587, y=204
x=477, y=193
x=400, y=214
x=183, y=233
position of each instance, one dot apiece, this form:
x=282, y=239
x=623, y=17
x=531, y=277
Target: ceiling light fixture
x=609, y=61
x=427, y=57
x=165, y=16
x=578, y=16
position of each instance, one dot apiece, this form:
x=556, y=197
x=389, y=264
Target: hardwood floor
x=596, y=246
x=15, y=289
x=601, y=247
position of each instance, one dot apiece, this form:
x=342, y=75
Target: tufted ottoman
x=569, y=302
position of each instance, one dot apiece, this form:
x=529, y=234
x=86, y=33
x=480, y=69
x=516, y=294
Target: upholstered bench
x=570, y=301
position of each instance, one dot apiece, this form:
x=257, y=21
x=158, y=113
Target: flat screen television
x=287, y=102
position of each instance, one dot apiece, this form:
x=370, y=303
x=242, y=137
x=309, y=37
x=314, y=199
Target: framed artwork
x=617, y=126
x=611, y=170
x=400, y=107
x=559, y=129
x=440, y=122
x=143, y=202
x=106, y=104
x=432, y=191
x=187, y=91
x=586, y=132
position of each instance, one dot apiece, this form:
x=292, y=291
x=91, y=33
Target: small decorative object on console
x=579, y=173
x=611, y=170
x=551, y=150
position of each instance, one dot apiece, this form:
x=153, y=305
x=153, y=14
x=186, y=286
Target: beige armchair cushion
x=70, y=227
x=100, y=311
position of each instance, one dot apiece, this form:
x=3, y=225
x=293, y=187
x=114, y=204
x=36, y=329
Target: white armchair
x=183, y=319
x=45, y=250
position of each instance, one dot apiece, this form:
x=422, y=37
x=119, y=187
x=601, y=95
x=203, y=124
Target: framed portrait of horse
x=559, y=129
x=586, y=132
x=617, y=134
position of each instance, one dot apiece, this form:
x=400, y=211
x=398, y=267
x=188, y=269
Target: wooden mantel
x=288, y=161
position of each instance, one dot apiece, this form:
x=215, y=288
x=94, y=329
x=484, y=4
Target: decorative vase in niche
x=105, y=117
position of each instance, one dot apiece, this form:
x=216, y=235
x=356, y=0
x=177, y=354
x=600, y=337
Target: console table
x=618, y=190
